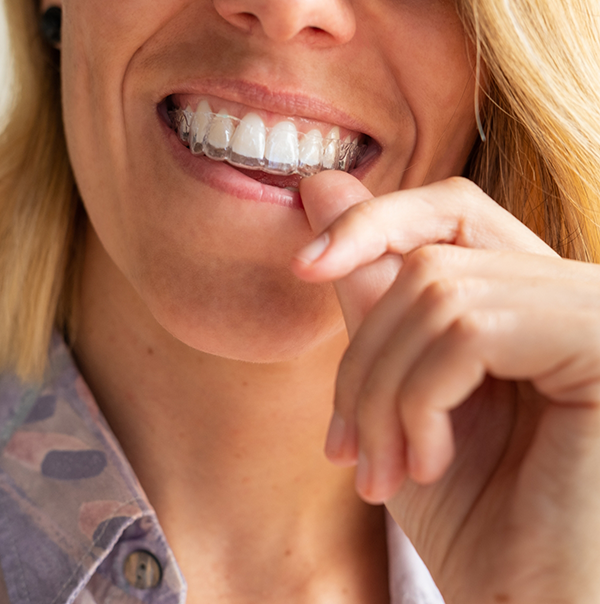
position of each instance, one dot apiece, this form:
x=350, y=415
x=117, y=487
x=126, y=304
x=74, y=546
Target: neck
x=228, y=452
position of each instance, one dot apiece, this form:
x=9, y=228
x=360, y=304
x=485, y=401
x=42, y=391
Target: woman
x=196, y=298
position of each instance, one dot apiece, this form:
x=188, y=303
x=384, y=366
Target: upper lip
x=261, y=97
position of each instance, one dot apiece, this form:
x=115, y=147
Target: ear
x=51, y=22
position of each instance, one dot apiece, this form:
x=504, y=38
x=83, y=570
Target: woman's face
x=206, y=246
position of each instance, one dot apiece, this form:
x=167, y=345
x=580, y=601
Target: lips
x=242, y=176
x=260, y=141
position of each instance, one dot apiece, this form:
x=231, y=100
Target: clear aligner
x=248, y=143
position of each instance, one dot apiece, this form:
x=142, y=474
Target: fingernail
x=335, y=436
x=314, y=250
x=363, y=474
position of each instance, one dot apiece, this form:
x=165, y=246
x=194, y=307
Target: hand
x=469, y=394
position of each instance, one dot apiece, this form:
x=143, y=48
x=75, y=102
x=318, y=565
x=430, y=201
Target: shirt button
x=142, y=570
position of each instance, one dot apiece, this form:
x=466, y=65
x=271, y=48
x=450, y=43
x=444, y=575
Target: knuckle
x=430, y=264
x=362, y=211
x=442, y=293
x=469, y=326
x=425, y=261
x=463, y=185
x=360, y=222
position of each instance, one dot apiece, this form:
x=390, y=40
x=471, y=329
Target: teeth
x=281, y=153
x=199, y=127
x=347, y=155
x=249, y=141
x=184, y=125
x=219, y=135
x=310, y=153
x=330, y=153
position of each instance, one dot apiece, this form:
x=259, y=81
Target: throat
x=343, y=560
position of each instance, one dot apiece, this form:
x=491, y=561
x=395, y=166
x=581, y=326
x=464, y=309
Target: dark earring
x=50, y=24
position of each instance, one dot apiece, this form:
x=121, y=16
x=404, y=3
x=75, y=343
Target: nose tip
x=332, y=21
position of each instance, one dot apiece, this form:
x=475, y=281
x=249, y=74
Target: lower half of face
x=189, y=125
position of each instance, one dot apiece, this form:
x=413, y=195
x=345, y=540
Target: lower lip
x=225, y=178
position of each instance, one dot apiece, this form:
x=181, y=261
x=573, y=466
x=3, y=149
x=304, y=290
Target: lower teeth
x=282, y=151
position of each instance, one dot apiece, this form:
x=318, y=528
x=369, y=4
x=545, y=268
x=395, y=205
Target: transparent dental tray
x=249, y=144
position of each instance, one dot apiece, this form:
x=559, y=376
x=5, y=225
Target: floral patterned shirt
x=75, y=524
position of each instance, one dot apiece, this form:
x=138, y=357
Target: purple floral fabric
x=72, y=510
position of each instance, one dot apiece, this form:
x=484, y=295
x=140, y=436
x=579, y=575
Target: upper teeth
x=250, y=144
x=249, y=140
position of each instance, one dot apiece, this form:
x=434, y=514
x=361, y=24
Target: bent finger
x=454, y=211
x=563, y=364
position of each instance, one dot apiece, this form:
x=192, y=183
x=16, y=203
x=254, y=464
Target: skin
x=196, y=333
x=491, y=467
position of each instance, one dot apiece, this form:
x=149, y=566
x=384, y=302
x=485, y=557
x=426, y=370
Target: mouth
x=273, y=149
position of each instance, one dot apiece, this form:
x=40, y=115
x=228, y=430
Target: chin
x=268, y=324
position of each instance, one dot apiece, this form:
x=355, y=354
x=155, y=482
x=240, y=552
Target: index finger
x=453, y=211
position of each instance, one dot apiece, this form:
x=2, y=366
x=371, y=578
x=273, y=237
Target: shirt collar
x=67, y=493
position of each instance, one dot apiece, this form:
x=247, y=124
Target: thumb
x=325, y=197
x=329, y=194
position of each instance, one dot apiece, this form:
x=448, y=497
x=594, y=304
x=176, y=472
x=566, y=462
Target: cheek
x=94, y=66
x=431, y=63
x=119, y=28
x=442, y=66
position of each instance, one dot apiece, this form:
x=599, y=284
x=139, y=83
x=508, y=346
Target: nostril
x=233, y=12
x=248, y=20
x=243, y=21
x=317, y=31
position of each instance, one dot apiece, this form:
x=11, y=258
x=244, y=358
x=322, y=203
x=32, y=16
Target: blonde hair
x=40, y=217
x=541, y=123
x=540, y=159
